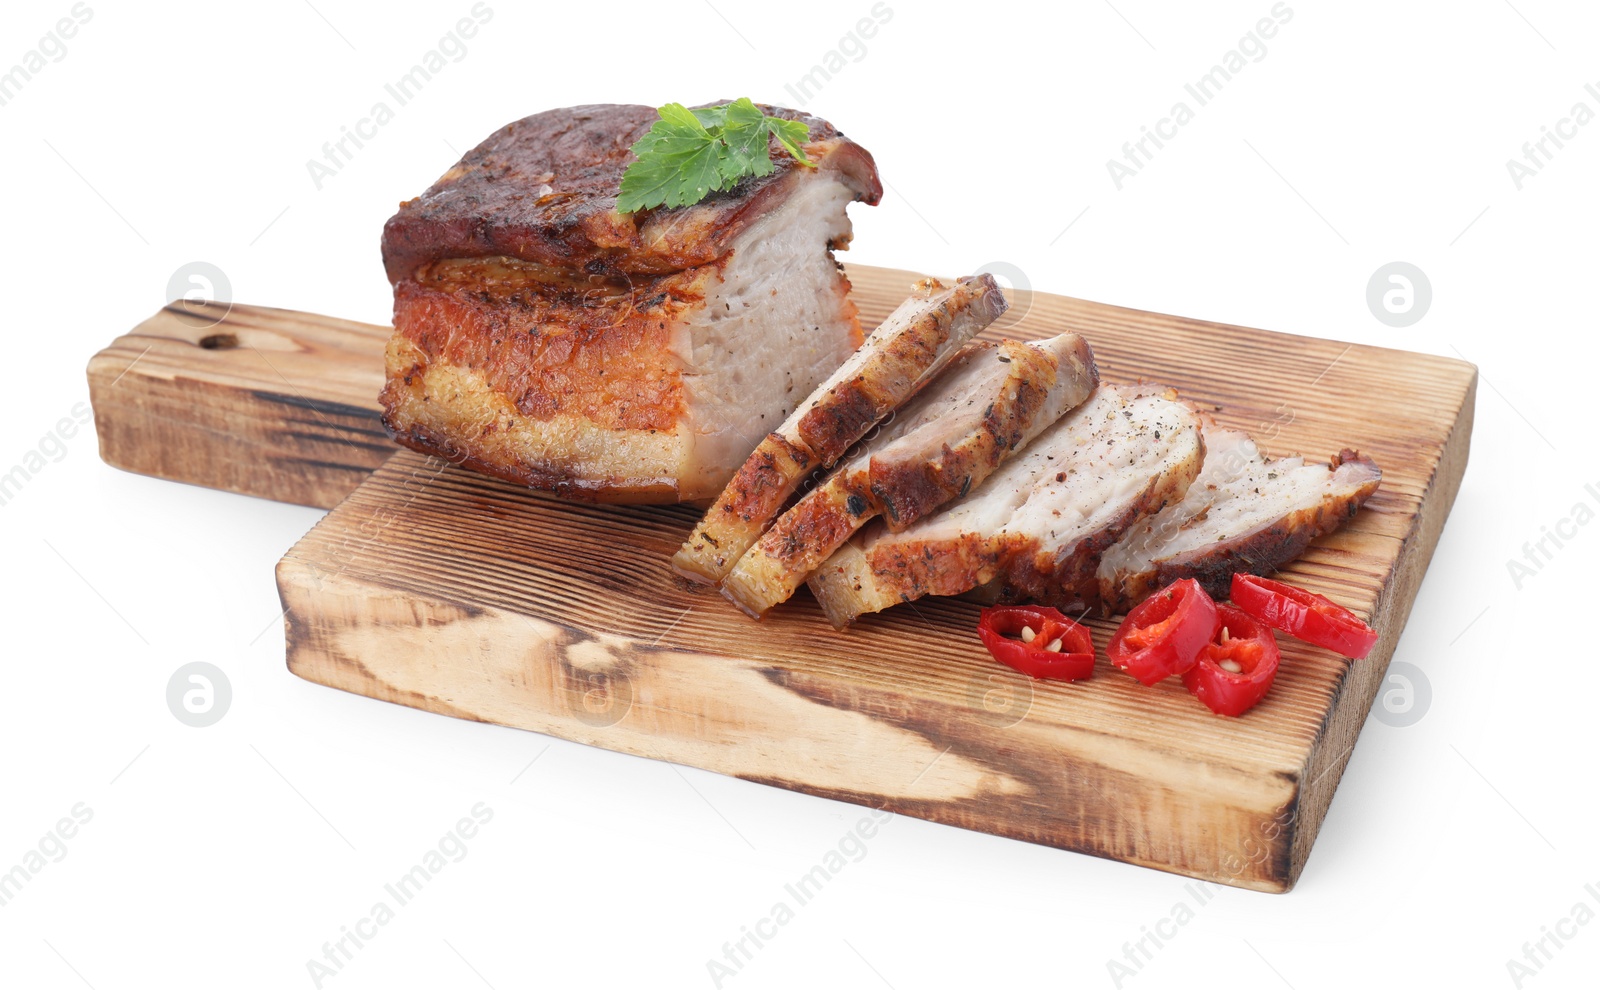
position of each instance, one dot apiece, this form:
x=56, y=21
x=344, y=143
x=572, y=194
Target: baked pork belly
x=545, y=338
x=1036, y=528
x=1246, y=512
x=911, y=347
x=993, y=399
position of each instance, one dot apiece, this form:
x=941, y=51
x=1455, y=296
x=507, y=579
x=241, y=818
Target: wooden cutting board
x=436, y=588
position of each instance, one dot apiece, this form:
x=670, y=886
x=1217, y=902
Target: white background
x=227, y=856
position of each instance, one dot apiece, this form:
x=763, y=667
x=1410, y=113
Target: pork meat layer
x=1036, y=528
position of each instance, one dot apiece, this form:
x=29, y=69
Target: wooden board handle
x=265, y=402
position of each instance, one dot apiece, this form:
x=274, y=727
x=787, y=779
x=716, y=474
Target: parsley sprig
x=687, y=154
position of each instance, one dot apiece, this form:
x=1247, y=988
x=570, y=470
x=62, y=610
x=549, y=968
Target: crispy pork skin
x=1245, y=512
x=1036, y=528
x=544, y=190
x=992, y=400
x=910, y=348
x=545, y=338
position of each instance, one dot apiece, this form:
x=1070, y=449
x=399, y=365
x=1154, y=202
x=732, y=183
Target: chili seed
x=1028, y=634
x=1054, y=646
x=1231, y=666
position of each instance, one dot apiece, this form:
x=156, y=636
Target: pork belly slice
x=544, y=338
x=992, y=400
x=1036, y=528
x=1245, y=512
x=915, y=343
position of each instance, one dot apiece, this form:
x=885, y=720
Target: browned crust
x=544, y=190
x=754, y=496
x=804, y=537
x=899, y=367
x=905, y=492
x=829, y=429
x=944, y=567
x=1262, y=551
x=598, y=351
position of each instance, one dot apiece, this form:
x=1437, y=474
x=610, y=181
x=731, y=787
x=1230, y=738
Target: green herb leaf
x=744, y=132
x=710, y=116
x=789, y=134
x=677, y=156
x=688, y=154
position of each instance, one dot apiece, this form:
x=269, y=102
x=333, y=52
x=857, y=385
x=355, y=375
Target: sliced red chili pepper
x=1235, y=669
x=1001, y=627
x=1304, y=615
x=1165, y=632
